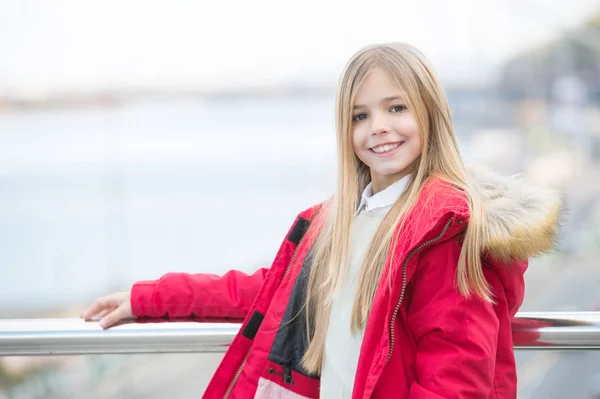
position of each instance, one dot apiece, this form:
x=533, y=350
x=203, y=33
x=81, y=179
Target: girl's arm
x=456, y=337
x=199, y=295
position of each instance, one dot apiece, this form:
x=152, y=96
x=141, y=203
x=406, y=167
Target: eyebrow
x=385, y=100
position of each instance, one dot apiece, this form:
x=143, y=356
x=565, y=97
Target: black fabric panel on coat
x=291, y=340
x=253, y=325
x=298, y=230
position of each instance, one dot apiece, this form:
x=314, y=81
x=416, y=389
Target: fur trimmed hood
x=521, y=220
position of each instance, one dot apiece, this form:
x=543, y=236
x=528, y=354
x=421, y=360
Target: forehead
x=375, y=86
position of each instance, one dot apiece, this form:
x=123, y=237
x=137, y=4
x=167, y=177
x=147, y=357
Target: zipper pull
x=287, y=375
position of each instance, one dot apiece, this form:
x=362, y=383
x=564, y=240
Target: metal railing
x=44, y=337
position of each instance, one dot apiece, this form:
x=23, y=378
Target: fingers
x=100, y=305
x=109, y=310
x=105, y=312
x=113, y=317
x=95, y=308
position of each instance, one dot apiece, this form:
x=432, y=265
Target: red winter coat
x=423, y=340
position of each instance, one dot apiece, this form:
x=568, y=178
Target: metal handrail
x=43, y=337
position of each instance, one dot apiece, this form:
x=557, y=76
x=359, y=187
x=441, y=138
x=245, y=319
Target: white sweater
x=342, y=348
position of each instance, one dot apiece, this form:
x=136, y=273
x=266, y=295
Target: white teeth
x=385, y=148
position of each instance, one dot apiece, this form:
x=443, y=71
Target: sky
x=82, y=45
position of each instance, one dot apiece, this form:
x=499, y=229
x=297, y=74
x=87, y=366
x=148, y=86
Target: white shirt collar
x=383, y=199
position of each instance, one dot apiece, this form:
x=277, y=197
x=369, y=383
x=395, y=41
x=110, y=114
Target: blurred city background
x=143, y=137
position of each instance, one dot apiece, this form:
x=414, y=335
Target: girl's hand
x=109, y=309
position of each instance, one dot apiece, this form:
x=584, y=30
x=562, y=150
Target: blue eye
x=359, y=117
x=398, y=108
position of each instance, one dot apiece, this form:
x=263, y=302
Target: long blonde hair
x=411, y=72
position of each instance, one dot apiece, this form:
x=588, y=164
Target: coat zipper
x=404, y=264
x=237, y=375
x=287, y=270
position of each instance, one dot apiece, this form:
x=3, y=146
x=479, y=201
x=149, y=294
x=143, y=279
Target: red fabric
x=456, y=338
x=302, y=385
x=445, y=345
x=197, y=295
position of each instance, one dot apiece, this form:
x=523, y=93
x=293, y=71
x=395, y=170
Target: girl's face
x=385, y=134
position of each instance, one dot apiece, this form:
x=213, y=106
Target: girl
x=403, y=284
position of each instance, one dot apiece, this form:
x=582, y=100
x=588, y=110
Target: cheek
x=357, y=140
x=418, y=143
x=411, y=130
x=415, y=148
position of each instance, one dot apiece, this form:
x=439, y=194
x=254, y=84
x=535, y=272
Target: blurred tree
x=533, y=72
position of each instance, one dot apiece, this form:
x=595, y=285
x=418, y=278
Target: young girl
x=402, y=285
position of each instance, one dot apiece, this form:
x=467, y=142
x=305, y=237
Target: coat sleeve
x=456, y=337
x=200, y=295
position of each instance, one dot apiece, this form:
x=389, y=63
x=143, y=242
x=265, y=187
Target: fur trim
x=521, y=220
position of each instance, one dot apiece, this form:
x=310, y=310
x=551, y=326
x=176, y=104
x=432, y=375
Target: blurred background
x=136, y=136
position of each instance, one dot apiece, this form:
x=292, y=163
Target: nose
x=379, y=124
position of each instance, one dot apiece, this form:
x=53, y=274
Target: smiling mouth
x=386, y=148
